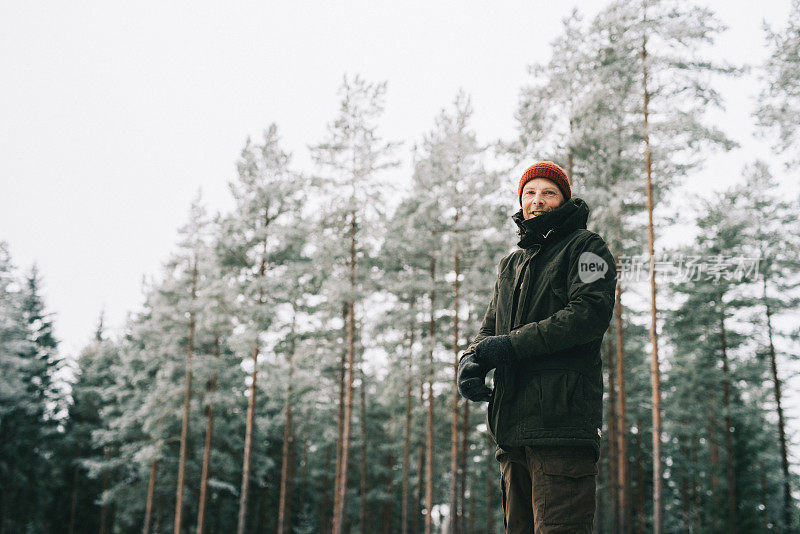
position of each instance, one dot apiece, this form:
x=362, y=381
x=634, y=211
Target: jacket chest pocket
x=556, y=286
x=503, y=310
x=545, y=295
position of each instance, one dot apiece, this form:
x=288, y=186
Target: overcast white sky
x=114, y=114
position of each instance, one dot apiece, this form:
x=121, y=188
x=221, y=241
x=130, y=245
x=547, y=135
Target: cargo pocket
x=569, y=488
x=563, y=399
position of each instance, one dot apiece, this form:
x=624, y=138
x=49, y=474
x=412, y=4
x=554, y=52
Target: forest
x=293, y=366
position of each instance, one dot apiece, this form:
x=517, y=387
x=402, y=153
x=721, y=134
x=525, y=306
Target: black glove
x=471, y=377
x=494, y=350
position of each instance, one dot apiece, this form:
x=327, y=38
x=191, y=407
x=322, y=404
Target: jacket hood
x=550, y=227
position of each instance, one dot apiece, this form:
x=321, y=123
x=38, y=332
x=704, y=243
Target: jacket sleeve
x=488, y=325
x=587, y=314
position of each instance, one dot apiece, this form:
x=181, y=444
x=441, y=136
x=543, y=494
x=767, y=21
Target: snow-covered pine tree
x=548, y=106
x=402, y=263
x=351, y=158
x=294, y=321
x=606, y=148
x=723, y=360
x=219, y=370
x=131, y=436
x=659, y=47
x=264, y=192
x=456, y=187
x=674, y=96
x=580, y=110
x=778, y=107
x=185, y=265
x=768, y=236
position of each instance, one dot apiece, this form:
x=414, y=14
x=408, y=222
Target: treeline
x=292, y=368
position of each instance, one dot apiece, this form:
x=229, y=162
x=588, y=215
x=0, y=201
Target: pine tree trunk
x=407, y=442
x=726, y=401
x=341, y=485
x=655, y=372
x=288, y=439
x=212, y=388
x=148, y=508
x=251, y=401
x=623, y=482
x=429, y=461
x=248, y=445
x=454, y=511
x=341, y=490
x=787, y=491
x=187, y=399
x=340, y=413
x=611, y=439
x=406, y=467
x=421, y=461
x=429, y=429
x=363, y=510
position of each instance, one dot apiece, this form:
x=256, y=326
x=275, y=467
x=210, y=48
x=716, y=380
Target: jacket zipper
x=517, y=281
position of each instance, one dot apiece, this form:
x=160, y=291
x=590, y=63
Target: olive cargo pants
x=548, y=490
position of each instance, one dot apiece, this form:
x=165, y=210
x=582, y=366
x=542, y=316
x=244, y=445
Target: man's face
x=540, y=195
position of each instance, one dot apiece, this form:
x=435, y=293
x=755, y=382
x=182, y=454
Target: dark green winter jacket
x=555, y=297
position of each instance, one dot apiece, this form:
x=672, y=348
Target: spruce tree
x=92, y=377
x=351, y=157
x=27, y=359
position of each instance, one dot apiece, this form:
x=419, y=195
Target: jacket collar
x=550, y=227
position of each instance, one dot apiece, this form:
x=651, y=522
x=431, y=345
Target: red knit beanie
x=549, y=170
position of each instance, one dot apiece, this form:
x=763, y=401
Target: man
x=542, y=332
